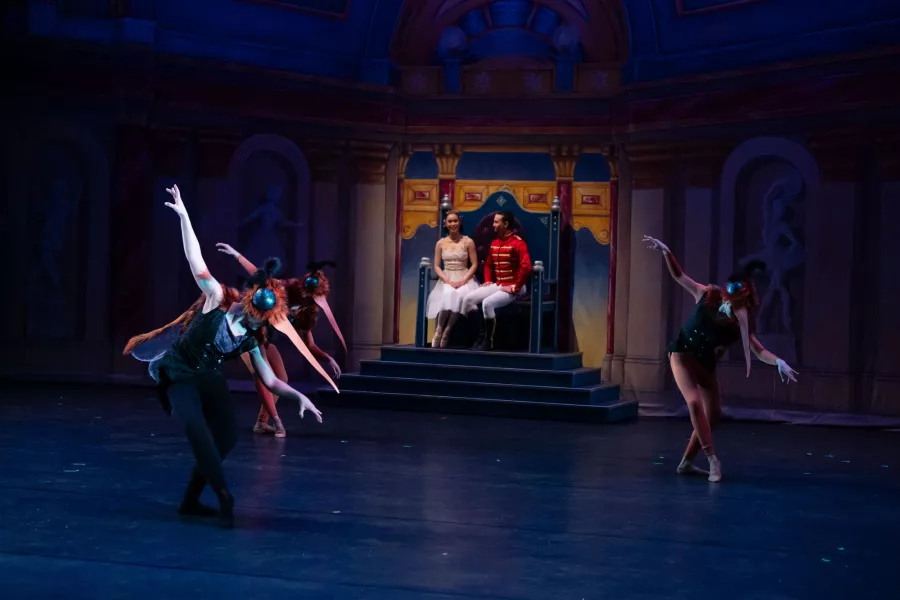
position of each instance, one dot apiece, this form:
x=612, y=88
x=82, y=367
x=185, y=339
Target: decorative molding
x=703, y=162
x=420, y=205
x=838, y=154
x=650, y=165
x=612, y=159
x=591, y=209
x=299, y=6
x=683, y=7
x=533, y=196
x=447, y=157
x=598, y=81
x=324, y=157
x=564, y=160
x=403, y=157
x=369, y=160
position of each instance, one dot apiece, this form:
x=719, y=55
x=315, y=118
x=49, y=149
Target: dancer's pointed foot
x=445, y=338
x=715, y=470
x=262, y=427
x=436, y=340
x=226, y=509
x=686, y=467
x=279, y=428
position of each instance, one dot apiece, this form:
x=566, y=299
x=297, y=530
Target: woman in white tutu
x=457, y=276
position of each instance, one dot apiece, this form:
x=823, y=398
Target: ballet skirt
x=456, y=265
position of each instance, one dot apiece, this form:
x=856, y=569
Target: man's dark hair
x=507, y=216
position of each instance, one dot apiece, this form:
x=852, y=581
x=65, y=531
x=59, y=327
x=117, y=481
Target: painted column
x=367, y=214
x=833, y=235
x=612, y=159
x=328, y=228
x=648, y=298
x=402, y=161
x=882, y=347
x=614, y=363
x=564, y=159
x=447, y=157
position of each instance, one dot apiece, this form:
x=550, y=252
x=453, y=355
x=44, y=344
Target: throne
x=529, y=324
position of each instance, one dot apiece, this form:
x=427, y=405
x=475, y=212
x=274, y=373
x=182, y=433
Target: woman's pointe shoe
x=436, y=340
x=262, y=422
x=715, y=470
x=445, y=338
x=279, y=428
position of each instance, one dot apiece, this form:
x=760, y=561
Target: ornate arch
x=285, y=148
x=96, y=161
x=743, y=156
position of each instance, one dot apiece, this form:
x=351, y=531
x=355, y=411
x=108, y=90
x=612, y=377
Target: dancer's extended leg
x=685, y=369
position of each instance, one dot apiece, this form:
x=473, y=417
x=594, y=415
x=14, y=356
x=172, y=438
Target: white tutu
x=444, y=297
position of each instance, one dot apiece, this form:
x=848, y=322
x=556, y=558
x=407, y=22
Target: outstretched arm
x=278, y=387
x=202, y=276
x=246, y=264
x=319, y=353
x=694, y=289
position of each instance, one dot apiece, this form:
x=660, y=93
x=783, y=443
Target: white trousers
x=491, y=298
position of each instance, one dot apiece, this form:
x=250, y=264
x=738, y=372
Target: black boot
x=191, y=505
x=486, y=335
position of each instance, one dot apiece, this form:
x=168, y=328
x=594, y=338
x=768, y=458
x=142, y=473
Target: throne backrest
x=532, y=227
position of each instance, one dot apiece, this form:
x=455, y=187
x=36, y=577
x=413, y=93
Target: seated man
x=506, y=271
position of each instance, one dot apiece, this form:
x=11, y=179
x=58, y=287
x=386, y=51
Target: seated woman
x=305, y=298
x=186, y=359
x=457, y=253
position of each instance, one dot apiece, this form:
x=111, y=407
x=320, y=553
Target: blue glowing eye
x=263, y=299
x=311, y=282
x=734, y=287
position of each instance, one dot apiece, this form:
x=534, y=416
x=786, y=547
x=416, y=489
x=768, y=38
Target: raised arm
x=695, y=289
x=246, y=264
x=202, y=276
x=438, y=271
x=278, y=387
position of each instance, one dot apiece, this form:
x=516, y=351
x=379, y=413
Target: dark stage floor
x=397, y=506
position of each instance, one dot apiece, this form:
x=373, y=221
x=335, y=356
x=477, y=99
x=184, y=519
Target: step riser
x=474, y=359
x=596, y=396
x=436, y=373
x=462, y=406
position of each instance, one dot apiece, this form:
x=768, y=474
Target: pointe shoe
x=436, y=340
x=445, y=338
x=263, y=427
x=715, y=470
x=279, y=428
x=686, y=467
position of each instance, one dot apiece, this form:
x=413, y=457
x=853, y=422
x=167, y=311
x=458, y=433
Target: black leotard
x=706, y=334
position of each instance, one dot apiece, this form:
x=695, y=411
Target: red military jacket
x=508, y=262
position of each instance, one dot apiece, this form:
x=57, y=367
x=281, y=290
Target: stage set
x=341, y=135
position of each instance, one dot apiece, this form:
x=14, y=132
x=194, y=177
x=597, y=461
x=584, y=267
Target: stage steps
x=552, y=386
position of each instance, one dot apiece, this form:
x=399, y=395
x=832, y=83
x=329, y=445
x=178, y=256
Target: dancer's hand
x=508, y=289
x=177, y=205
x=335, y=368
x=227, y=249
x=306, y=404
x=784, y=370
x=487, y=283
x=456, y=284
x=654, y=244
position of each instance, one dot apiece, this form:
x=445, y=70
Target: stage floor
x=390, y=505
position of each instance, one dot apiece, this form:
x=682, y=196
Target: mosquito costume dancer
x=186, y=359
x=721, y=318
x=305, y=298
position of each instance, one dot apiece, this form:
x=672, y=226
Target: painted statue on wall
x=268, y=239
x=781, y=250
